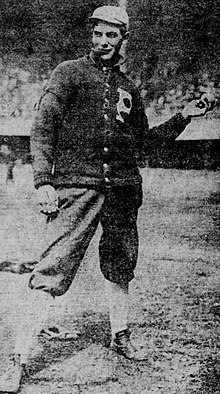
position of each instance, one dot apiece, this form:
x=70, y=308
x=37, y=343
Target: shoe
x=122, y=344
x=10, y=382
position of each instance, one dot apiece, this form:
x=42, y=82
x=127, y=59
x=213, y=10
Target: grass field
x=176, y=284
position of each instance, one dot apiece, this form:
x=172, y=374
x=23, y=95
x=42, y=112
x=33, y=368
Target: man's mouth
x=103, y=51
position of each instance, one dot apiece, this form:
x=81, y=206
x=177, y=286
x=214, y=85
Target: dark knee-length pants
x=81, y=210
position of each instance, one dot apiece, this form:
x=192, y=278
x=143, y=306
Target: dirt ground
x=177, y=283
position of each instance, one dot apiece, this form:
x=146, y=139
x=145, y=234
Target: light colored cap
x=111, y=14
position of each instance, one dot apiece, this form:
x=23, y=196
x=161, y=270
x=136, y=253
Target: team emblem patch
x=124, y=104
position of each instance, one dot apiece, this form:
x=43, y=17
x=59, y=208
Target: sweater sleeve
x=150, y=138
x=43, y=138
x=170, y=129
x=57, y=93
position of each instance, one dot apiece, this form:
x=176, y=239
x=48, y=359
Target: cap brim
x=112, y=21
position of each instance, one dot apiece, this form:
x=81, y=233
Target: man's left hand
x=199, y=107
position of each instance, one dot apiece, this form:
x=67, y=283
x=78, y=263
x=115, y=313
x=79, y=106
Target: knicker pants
x=81, y=210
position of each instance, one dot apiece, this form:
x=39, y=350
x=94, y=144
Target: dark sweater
x=91, y=129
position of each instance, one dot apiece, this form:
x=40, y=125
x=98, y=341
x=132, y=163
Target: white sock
x=35, y=311
x=118, y=299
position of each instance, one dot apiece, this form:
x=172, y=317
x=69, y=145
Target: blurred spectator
x=9, y=159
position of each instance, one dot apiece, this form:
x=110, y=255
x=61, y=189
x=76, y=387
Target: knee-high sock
x=118, y=299
x=34, y=313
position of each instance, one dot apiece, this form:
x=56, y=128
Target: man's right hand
x=48, y=199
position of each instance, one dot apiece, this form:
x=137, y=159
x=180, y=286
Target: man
x=89, y=134
x=9, y=159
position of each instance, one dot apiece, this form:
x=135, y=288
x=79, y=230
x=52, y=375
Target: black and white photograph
x=109, y=197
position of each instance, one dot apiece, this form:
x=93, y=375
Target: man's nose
x=104, y=41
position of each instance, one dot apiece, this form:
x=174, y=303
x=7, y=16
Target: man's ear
x=126, y=35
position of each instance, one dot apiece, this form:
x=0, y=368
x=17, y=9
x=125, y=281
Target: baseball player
x=89, y=134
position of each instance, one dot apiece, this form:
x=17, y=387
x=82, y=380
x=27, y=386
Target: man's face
x=107, y=40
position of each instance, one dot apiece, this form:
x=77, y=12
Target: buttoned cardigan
x=91, y=128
